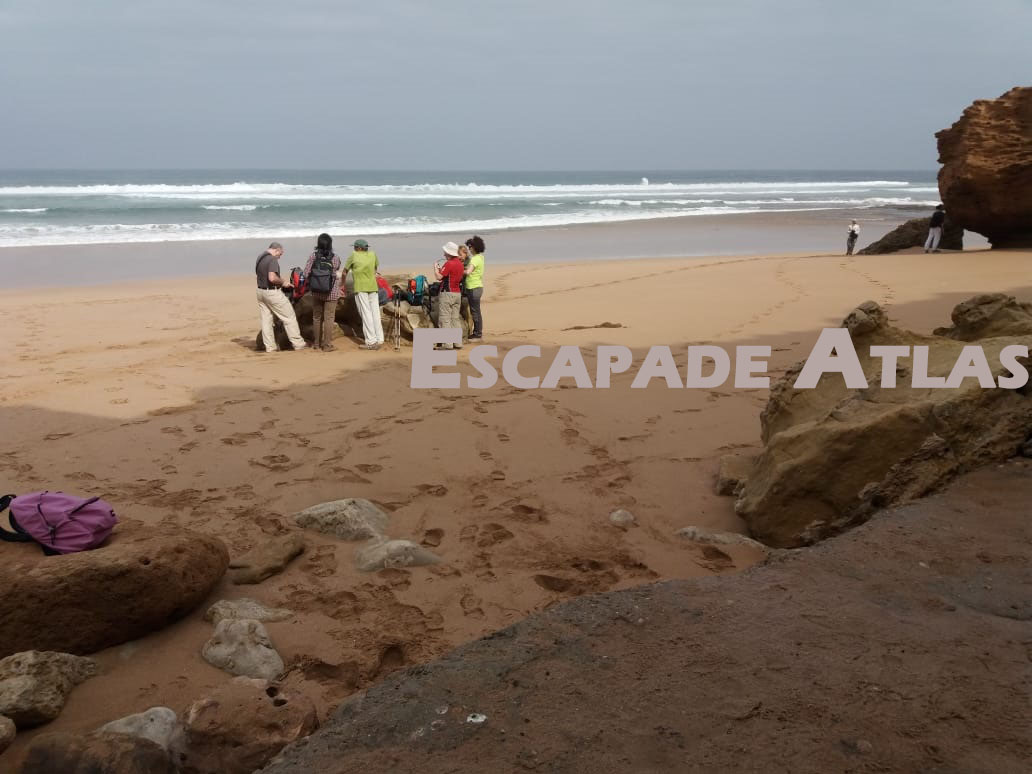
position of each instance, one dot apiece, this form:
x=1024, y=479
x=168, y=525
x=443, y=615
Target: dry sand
x=151, y=396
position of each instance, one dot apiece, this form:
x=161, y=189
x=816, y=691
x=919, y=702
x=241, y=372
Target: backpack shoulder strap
x=18, y=535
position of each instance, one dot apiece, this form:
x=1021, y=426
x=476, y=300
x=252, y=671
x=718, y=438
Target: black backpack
x=320, y=278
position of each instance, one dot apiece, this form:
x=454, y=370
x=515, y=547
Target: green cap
x=361, y=243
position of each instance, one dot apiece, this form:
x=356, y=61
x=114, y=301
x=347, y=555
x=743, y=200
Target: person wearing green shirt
x=475, y=284
x=363, y=263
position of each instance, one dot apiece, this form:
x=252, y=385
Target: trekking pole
x=396, y=333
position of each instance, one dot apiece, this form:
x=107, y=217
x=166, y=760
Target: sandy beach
x=151, y=395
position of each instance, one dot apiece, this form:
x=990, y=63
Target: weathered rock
x=733, y=471
x=243, y=647
x=158, y=724
x=988, y=315
x=833, y=455
x=96, y=753
x=234, y=609
x=7, y=732
x=269, y=557
x=35, y=684
x=622, y=518
x=914, y=233
x=242, y=725
x=986, y=176
x=352, y=518
x=709, y=537
x=385, y=554
x=141, y=580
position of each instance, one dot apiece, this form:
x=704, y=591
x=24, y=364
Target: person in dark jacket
x=324, y=304
x=935, y=229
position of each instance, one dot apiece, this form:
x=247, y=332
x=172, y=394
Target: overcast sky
x=475, y=84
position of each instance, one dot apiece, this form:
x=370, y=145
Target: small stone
x=385, y=554
x=7, y=732
x=350, y=519
x=242, y=647
x=864, y=747
x=268, y=558
x=236, y=609
x=702, y=535
x=622, y=518
x=35, y=684
x=158, y=724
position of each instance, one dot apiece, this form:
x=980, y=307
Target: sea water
x=88, y=207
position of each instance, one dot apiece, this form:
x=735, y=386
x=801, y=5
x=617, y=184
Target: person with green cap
x=363, y=263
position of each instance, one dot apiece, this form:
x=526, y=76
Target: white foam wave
x=27, y=209
x=242, y=207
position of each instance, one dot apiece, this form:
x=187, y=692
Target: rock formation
x=241, y=725
x=986, y=176
x=96, y=753
x=34, y=685
x=352, y=518
x=141, y=580
x=241, y=646
x=913, y=233
x=236, y=609
x=270, y=556
x=833, y=455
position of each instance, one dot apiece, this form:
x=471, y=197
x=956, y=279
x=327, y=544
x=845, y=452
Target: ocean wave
x=242, y=207
x=26, y=209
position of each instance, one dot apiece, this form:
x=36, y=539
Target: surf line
x=707, y=365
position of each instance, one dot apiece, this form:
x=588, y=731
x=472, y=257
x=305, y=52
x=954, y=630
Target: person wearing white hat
x=449, y=300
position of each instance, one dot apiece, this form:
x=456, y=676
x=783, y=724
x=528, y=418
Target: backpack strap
x=18, y=535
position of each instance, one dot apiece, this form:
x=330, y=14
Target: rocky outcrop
x=240, y=727
x=914, y=233
x=34, y=685
x=96, y=753
x=806, y=663
x=7, y=732
x=267, y=558
x=986, y=176
x=834, y=455
x=159, y=725
x=988, y=315
x=242, y=647
x=141, y=580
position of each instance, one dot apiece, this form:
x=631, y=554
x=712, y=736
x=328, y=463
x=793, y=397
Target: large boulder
x=96, y=753
x=914, y=233
x=986, y=176
x=989, y=315
x=834, y=455
x=141, y=580
x=158, y=724
x=34, y=685
x=240, y=726
x=7, y=732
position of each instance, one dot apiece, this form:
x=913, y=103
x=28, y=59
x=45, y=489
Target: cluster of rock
x=355, y=519
x=834, y=455
x=347, y=317
x=236, y=729
x=986, y=176
x=913, y=233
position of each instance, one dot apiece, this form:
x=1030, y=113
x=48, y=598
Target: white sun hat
x=452, y=249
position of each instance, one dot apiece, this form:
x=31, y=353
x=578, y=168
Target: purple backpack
x=61, y=523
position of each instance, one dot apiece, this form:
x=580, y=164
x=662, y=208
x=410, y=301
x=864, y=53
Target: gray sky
x=474, y=84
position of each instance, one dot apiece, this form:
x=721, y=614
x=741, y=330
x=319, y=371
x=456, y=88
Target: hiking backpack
x=417, y=287
x=60, y=523
x=299, y=281
x=320, y=278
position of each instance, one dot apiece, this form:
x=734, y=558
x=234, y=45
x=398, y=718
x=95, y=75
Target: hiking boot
x=328, y=348
x=369, y=346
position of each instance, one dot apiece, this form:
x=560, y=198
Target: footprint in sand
x=432, y=537
x=119, y=401
x=200, y=429
x=491, y=534
x=276, y=462
x=172, y=430
x=241, y=439
x=485, y=455
x=369, y=467
x=188, y=446
x=503, y=438
x=498, y=475
x=434, y=490
x=471, y=606
x=321, y=562
x=569, y=434
x=55, y=436
x=480, y=500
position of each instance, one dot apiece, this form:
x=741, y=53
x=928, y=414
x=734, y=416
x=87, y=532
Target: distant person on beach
x=851, y=236
x=475, y=284
x=935, y=229
x=272, y=302
x=323, y=271
x=449, y=300
x=363, y=263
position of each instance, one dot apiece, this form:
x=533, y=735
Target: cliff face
x=986, y=178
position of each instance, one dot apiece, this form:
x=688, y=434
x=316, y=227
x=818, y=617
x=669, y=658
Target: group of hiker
x=931, y=244
x=459, y=274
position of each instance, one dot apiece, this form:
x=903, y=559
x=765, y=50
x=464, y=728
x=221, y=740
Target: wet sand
x=150, y=395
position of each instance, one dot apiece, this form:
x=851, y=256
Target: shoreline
x=686, y=237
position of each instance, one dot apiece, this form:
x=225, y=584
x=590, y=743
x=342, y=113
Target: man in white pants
x=272, y=302
x=363, y=263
